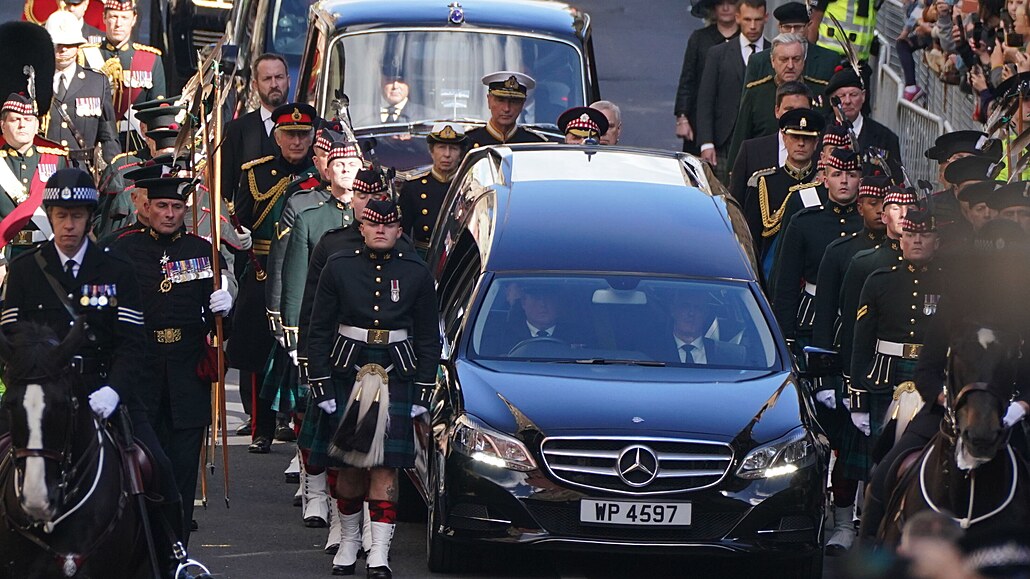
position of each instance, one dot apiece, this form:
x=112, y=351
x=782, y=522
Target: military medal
x=84, y=300
x=395, y=290
x=930, y=304
x=166, y=285
x=102, y=299
x=93, y=299
x=113, y=300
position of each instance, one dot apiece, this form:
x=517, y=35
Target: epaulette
x=752, y=181
x=256, y=162
x=762, y=80
x=536, y=132
x=816, y=80
x=89, y=45
x=53, y=150
x=122, y=156
x=146, y=48
x=130, y=232
x=801, y=186
x=302, y=201
x=412, y=174
x=309, y=184
x=3, y=154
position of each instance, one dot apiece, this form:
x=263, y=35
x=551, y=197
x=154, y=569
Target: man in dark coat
x=506, y=96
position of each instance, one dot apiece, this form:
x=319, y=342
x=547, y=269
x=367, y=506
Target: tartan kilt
x=318, y=428
x=856, y=448
x=280, y=382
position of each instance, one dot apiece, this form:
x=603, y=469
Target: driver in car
x=543, y=317
x=691, y=317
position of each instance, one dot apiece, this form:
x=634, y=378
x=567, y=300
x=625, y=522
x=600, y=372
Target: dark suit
x=754, y=154
x=245, y=140
x=718, y=98
x=87, y=102
x=700, y=42
x=505, y=337
x=716, y=353
x=876, y=135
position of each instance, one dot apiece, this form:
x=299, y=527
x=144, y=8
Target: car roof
x=542, y=16
x=610, y=209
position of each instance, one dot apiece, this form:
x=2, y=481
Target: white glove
x=282, y=340
x=245, y=237
x=1014, y=414
x=827, y=398
x=293, y=356
x=861, y=422
x=328, y=406
x=103, y=401
x=221, y=301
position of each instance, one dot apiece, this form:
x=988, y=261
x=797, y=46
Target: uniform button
x=911, y=333
x=64, y=106
x=377, y=293
x=375, y=322
x=376, y=308
x=24, y=180
x=913, y=307
x=915, y=281
x=915, y=294
x=424, y=181
x=425, y=228
x=423, y=196
x=911, y=321
x=64, y=125
x=425, y=212
x=379, y=280
x=378, y=267
x=64, y=142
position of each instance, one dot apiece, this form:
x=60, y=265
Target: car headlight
x=488, y=446
x=785, y=456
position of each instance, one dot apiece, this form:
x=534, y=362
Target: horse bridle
x=953, y=405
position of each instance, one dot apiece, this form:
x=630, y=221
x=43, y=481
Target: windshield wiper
x=607, y=361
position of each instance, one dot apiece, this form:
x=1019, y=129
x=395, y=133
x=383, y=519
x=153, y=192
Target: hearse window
x=288, y=26
x=440, y=71
x=623, y=319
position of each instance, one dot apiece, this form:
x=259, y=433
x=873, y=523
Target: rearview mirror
x=621, y=297
x=820, y=362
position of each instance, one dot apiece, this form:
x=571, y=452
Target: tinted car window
x=442, y=71
x=623, y=318
x=288, y=24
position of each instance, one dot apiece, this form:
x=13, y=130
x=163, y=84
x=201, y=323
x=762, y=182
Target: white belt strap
x=810, y=288
x=373, y=336
x=908, y=351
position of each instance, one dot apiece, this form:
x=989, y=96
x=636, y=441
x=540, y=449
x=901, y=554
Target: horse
x=65, y=506
x=968, y=471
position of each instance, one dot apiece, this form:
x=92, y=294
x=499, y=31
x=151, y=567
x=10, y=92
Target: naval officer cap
x=583, y=122
x=65, y=29
x=447, y=134
x=70, y=188
x=509, y=84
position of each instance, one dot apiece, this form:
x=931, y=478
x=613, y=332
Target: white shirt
x=698, y=352
x=745, y=50
x=266, y=118
x=857, y=125
x=782, y=154
x=67, y=74
x=533, y=330
x=79, y=255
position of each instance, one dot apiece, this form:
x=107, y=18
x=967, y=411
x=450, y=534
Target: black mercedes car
x=612, y=376
x=432, y=55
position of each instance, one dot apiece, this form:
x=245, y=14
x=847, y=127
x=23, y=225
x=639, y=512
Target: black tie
x=62, y=89
x=69, y=268
x=689, y=349
x=753, y=48
x=542, y=334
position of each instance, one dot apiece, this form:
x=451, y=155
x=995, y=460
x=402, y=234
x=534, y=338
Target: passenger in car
x=544, y=317
x=506, y=97
x=691, y=315
x=582, y=123
x=397, y=106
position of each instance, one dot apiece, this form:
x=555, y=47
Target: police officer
x=381, y=301
x=258, y=203
x=421, y=196
x=100, y=287
x=581, y=123
x=28, y=162
x=804, y=243
x=176, y=279
x=769, y=190
x=135, y=70
x=81, y=113
x=506, y=97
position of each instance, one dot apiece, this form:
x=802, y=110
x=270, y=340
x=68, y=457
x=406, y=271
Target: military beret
x=328, y=133
x=1015, y=194
x=19, y=103
x=837, y=136
x=791, y=13
x=845, y=77
x=900, y=196
x=371, y=182
x=381, y=212
x=343, y=150
x=874, y=186
x=70, y=188
x=919, y=221
x=119, y=4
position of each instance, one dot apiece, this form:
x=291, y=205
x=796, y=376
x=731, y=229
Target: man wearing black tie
x=81, y=113
x=250, y=137
x=397, y=108
x=536, y=314
x=691, y=317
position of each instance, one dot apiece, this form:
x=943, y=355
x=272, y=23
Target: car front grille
x=667, y=465
x=563, y=519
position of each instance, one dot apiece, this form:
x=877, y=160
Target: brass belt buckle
x=911, y=351
x=168, y=335
x=378, y=337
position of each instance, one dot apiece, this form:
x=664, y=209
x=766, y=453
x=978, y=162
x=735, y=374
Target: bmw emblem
x=456, y=15
x=637, y=465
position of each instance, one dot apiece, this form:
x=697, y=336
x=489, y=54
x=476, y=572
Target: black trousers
x=182, y=446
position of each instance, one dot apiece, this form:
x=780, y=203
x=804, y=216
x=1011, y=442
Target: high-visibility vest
x=857, y=17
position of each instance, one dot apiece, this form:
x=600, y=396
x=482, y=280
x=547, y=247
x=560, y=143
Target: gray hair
x=785, y=38
x=608, y=106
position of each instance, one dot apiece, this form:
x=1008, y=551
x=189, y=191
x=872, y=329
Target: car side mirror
x=820, y=362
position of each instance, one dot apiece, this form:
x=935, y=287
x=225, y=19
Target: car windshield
x=623, y=319
x=436, y=75
x=288, y=25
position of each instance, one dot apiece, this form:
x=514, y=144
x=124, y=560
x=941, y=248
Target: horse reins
x=969, y=520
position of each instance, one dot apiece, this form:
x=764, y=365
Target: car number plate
x=604, y=512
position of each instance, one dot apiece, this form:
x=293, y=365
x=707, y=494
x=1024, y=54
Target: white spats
x=34, y=498
x=986, y=337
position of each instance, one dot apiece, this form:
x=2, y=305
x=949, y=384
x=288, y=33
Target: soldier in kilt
x=373, y=342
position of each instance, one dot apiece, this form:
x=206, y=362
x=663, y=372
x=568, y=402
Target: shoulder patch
x=256, y=162
x=146, y=48
x=816, y=80
x=753, y=179
x=762, y=80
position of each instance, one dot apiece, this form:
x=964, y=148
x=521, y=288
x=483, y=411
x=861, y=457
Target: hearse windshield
x=408, y=76
x=623, y=319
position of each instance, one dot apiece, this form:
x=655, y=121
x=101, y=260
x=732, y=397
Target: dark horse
x=968, y=470
x=64, y=506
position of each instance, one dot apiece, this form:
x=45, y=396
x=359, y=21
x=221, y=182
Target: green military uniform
x=757, y=117
x=22, y=180
x=820, y=64
x=420, y=200
x=116, y=208
x=836, y=258
x=864, y=263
